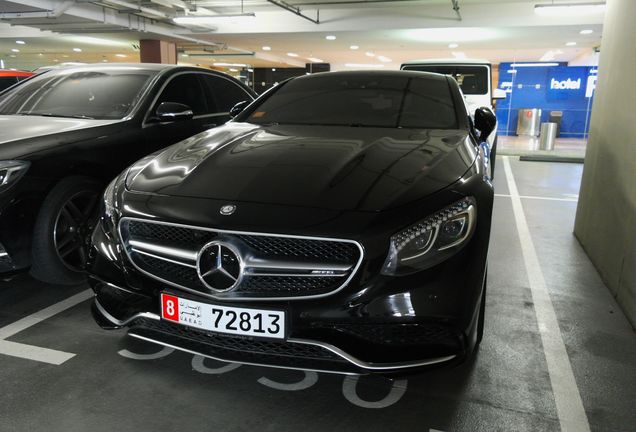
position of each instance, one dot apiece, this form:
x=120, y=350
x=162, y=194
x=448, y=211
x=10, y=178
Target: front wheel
x=62, y=231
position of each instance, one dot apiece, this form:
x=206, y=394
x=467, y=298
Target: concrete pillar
x=606, y=214
x=157, y=51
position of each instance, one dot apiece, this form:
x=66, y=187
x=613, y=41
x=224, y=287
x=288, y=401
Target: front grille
x=167, y=233
x=275, y=266
x=302, y=248
x=238, y=344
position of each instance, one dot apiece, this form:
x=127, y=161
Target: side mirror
x=499, y=94
x=485, y=122
x=238, y=108
x=172, y=111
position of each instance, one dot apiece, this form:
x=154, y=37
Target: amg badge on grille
x=227, y=210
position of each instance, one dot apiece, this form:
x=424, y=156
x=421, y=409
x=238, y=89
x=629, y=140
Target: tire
x=482, y=313
x=62, y=231
x=493, y=158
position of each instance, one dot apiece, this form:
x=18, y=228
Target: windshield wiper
x=56, y=115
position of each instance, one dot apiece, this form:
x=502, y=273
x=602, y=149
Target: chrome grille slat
x=277, y=266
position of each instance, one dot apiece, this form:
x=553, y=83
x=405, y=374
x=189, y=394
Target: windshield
x=108, y=94
x=472, y=79
x=367, y=100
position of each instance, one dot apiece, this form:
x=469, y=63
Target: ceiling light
x=518, y=65
x=124, y=55
x=330, y=37
x=97, y=41
x=208, y=19
x=77, y=49
x=587, y=31
x=354, y=47
x=266, y=48
x=20, y=42
x=363, y=65
x=273, y=69
x=570, y=43
x=384, y=59
x=291, y=54
x=453, y=45
x=233, y=70
x=369, y=54
x=569, y=9
x=242, y=65
x=15, y=50
x=315, y=60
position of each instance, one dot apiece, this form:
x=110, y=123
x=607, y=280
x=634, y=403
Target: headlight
x=10, y=172
x=109, y=212
x=432, y=239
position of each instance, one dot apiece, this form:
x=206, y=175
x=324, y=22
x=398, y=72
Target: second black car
x=66, y=132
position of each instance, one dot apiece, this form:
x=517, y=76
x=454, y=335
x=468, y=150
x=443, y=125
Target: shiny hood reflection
x=341, y=168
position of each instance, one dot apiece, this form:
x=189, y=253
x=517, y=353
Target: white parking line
x=36, y=353
x=567, y=398
x=539, y=197
x=31, y=352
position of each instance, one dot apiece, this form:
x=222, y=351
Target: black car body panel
x=99, y=149
x=326, y=184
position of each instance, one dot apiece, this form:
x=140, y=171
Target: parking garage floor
x=558, y=353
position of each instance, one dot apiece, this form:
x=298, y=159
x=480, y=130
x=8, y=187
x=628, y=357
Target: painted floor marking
x=539, y=197
x=567, y=398
x=31, y=352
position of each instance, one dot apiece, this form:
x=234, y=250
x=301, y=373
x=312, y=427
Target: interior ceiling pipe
x=138, y=8
x=54, y=13
x=455, y=5
x=295, y=10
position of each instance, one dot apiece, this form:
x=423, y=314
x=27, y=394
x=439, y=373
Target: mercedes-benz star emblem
x=219, y=266
x=228, y=209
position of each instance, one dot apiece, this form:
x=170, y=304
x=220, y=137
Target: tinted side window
x=6, y=82
x=185, y=89
x=224, y=92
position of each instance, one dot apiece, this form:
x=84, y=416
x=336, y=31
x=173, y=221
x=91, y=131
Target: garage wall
x=606, y=215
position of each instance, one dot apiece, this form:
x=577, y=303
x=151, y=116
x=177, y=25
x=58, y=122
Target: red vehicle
x=10, y=77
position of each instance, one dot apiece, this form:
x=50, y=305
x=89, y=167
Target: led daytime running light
x=431, y=223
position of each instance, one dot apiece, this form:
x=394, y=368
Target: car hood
x=330, y=167
x=20, y=127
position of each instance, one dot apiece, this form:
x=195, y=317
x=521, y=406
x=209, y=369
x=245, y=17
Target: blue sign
x=556, y=88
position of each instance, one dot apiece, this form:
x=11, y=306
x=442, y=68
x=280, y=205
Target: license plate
x=223, y=319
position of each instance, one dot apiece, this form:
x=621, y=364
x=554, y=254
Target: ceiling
x=386, y=32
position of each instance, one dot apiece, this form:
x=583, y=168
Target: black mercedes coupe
x=338, y=223
x=66, y=132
